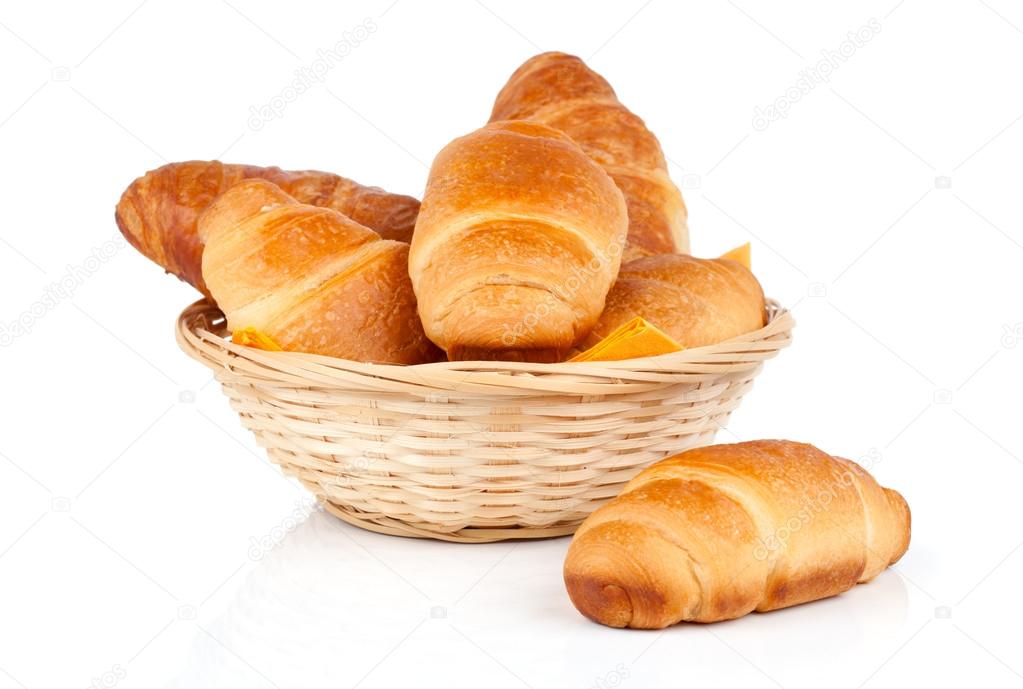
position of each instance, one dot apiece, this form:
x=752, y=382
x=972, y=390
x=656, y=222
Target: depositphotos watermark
x=811, y=507
x=813, y=76
x=578, y=278
x=75, y=275
x=1012, y=334
x=108, y=679
x=309, y=76
x=612, y=678
x=261, y=546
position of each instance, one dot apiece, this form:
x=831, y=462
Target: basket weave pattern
x=476, y=451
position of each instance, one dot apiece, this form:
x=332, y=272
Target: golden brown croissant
x=309, y=278
x=517, y=243
x=695, y=301
x=157, y=213
x=561, y=91
x=717, y=532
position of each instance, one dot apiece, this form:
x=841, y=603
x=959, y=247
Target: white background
x=144, y=535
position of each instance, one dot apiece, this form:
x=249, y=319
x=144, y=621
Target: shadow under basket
x=474, y=451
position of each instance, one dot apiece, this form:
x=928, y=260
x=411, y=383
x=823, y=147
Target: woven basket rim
x=201, y=334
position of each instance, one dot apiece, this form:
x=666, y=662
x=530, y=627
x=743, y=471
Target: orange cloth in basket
x=740, y=254
x=632, y=340
x=251, y=337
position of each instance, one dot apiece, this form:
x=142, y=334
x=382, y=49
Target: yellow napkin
x=632, y=340
x=740, y=254
x=253, y=338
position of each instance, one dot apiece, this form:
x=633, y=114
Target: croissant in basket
x=695, y=301
x=718, y=532
x=559, y=90
x=302, y=278
x=158, y=212
x=517, y=243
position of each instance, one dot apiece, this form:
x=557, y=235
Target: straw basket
x=476, y=451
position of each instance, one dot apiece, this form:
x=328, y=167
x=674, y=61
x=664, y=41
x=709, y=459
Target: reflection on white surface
x=315, y=603
x=332, y=603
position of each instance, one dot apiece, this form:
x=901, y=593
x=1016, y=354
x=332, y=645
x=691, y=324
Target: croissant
x=517, y=243
x=157, y=212
x=561, y=91
x=310, y=279
x=717, y=532
x=695, y=301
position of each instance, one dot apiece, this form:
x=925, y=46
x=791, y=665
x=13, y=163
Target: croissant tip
x=605, y=603
x=126, y=219
x=904, y=517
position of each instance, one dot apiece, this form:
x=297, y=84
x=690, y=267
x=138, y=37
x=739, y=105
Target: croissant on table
x=517, y=243
x=559, y=90
x=718, y=532
x=695, y=301
x=157, y=213
x=309, y=279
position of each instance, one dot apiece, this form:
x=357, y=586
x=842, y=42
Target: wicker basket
x=476, y=451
